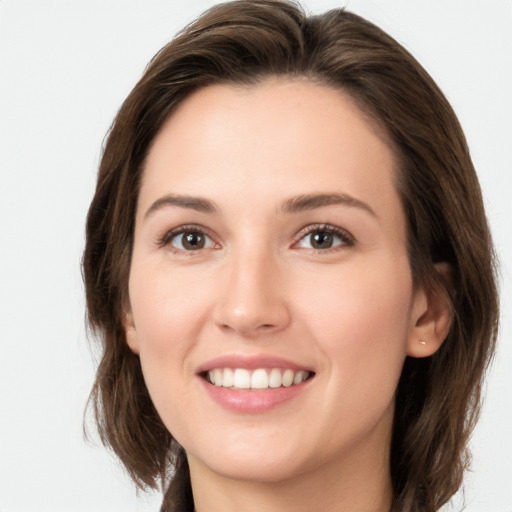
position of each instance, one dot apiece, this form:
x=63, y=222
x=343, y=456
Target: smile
x=258, y=379
x=254, y=384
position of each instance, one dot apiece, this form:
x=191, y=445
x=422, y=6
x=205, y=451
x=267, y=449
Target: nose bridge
x=253, y=300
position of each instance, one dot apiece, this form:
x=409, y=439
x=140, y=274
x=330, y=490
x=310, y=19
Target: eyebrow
x=313, y=201
x=198, y=204
x=293, y=205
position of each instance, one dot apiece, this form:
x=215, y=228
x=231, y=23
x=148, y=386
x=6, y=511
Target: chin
x=251, y=459
x=255, y=468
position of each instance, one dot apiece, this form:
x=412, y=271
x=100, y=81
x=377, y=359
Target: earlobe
x=431, y=318
x=130, y=332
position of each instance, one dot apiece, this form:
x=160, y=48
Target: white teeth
x=242, y=379
x=261, y=378
x=228, y=378
x=274, y=379
x=218, y=377
x=288, y=378
x=300, y=377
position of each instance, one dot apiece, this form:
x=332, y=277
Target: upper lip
x=250, y=363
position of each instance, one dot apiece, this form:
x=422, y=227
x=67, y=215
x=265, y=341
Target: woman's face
x=270, y=246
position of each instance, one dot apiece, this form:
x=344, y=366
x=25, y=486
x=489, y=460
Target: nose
x=252, y=300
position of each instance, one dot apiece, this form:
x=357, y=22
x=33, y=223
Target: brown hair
x=242, y=42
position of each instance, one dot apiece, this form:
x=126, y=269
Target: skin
x=349, y=312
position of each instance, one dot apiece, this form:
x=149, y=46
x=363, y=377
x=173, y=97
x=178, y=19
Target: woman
x=290, y=267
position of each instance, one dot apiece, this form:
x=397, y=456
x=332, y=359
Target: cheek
x=361, y=318
x=167, y=314
x=167, y=310
x=361, y=327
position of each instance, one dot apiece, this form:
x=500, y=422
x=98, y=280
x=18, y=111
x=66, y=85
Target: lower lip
x=247, y=401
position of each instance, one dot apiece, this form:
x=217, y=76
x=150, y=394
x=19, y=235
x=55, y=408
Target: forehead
x=279, y=137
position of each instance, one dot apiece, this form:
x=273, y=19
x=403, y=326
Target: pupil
x=322, y=240
x=193, y=241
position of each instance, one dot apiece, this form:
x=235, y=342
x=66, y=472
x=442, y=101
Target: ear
x=431, y=318
x=130, y=332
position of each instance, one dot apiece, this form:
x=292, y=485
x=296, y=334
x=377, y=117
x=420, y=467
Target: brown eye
x=191, y=241
x=324, y=238
x=321, y=240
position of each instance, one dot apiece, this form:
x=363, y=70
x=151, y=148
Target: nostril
x=250, y=317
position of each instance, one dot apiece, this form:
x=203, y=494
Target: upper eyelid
x=310, y=228
x=169, y=234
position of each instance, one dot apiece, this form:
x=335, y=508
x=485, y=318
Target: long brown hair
x=243, y=42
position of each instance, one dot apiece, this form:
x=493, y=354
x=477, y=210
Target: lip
x=250, y=363
x=253, y=401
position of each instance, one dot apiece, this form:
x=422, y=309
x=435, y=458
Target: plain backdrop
x=65, y=68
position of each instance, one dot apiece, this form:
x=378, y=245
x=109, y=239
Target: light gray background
x=65, y=67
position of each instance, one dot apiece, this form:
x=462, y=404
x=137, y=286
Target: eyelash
x=166, y=239
x=346, y=238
